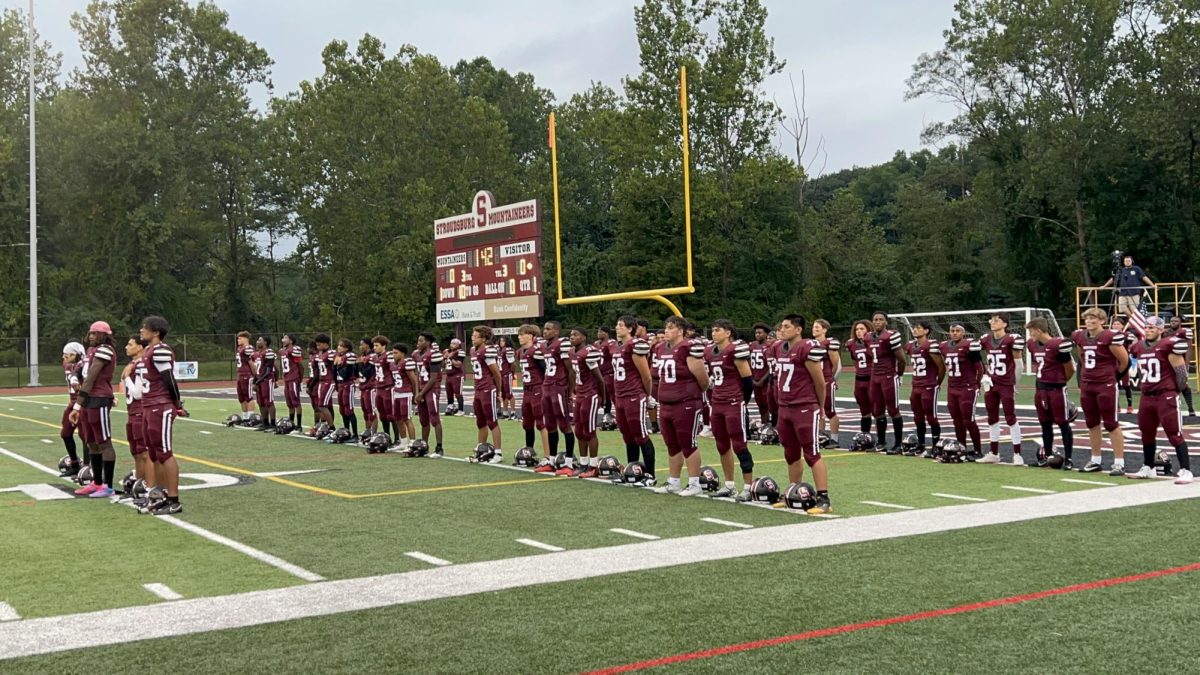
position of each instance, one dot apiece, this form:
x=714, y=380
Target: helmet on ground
x=709, y=480
x=764, y=490
x=338, y=436
x=321, y=430
x=127, y=484
x=608, y=467
x=378, y=443
x=800, y=496
x=233, y=420
x=953, y=452
x=526, y=457
x=484, y=452
x=84, y=476
x=862, y=442
x=419, y=448
x=634, y=472
x=284, y=426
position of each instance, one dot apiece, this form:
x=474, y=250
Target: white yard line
x=424, y=557
x=198, y=615
x=636, y=535
x=206, y=433
x=1039, y=491
x=47, y=441
x=961, y=498
x=727, y=523
x=269, y=474
x=538, y=544
x=243, y=548
x=40, y=467
x=889, y=506
x=1080, y=481
x=162, y=591
x=7, y=613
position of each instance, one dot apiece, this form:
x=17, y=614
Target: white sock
x=595, y=461
x=1016, y=435
x=1096, y=459
x=994, y=432
x=729, y=484
x=673, y=482
x=693, y=481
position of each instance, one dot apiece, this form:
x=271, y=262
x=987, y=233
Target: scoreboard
x=489, y=262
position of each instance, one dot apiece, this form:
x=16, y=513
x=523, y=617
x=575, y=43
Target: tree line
x=163, y=189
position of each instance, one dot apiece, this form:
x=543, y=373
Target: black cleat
x=895, y=450
x=165, y=508
x=438, y=452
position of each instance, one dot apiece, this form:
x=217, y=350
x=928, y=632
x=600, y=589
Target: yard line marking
x=198, y=615
x=268, y=474
x=40, y=467
x=45, y=407
x=892, y=621
x=726, y=523
x=962, y=498
x=162, y=591
x=538, y=544
x=423, y=557
x=47, y=441
x=206, y=433
x=1039, y=491
x=238, y=546
x=1088, y=482
x=7, y=613
x=631, y=533
x=889, y=506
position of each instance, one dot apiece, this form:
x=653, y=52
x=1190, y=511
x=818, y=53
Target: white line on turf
x=424, y=557
x=1039, y=491
x=7, y=613
x=206, y=433
x=47, y=441
x=727, y=523
x=538, y=544
x=162, y=591
x=1080, y=481
x=199, y=615
x=30, y=462
x=269, y=474
x=961, y=498
x=242, y=548
x=636, y=535
x=888, y=506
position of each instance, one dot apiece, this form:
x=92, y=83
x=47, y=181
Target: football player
x=1003, y=352
x=558, y=384
x=1131, y=338
x=455, y=357
x=929, y=370
x=607, y=346
x=325, y=385
x=161, y=404
x=1177, y=329
x=658, y=350
x=485, y=369
x=1055, y=368
x=800, y=390
x=760, y=372
x=243, y=354
x=263, y=366
x=405, y=377
x=732, y=382
x=345, y=365
x=312, y=383
x=429, y=375
x=887, y=353
x=72, y=360
x=385, y=381
x=133, y=378
x=1105, y=360
x=1164, y=374
x=964, y=370
x=589, y=393
x=830, y=367
x=683, y=376
x=507, y=356
x=532, y=368
x=93, y=404
x=632, y=387
x=860, y=352
x=289, y=364
x=367, y=362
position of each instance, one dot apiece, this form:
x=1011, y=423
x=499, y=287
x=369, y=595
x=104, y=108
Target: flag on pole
x=1137, y=322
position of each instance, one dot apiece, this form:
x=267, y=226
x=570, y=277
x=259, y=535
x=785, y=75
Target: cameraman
x=1130, y=280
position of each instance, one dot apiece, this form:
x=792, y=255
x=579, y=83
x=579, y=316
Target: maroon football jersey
x=607, y=349
x=626, y=379
x=723, y=371
x=482, y=359
x=531, y=376
x=312, y=367
x=585, y=359
x=676, y=383
x=384, y=379
x=831, y=346
x=793, y=383
x=860, y=352
x=289, y=363
x=924, y=368
x=1099, y=363
x=771, y=353
x=962, y=371
x=429, y=364
x=140, y=382
x=1001, y=359
x=325, y=365
x=71, y=371
x=556, y=353
x=241, y=358
x=883, y=346
x=506, y=356
x=1157, y=375
x=348, y=358
x=1050, y=370
x=400, y=371
x=657, y=354
x=157, y=360
x=455, y=358
x=758, y=360
x=103, y=358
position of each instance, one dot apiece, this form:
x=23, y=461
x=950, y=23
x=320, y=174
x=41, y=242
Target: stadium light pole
x=33, y=279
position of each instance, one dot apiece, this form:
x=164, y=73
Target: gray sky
x=855, y=54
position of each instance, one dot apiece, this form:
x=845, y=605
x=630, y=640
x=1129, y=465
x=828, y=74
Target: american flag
x=1137, y=322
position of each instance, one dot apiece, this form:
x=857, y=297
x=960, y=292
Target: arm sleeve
x=975, y=351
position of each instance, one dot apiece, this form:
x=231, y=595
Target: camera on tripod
x=1118, y=259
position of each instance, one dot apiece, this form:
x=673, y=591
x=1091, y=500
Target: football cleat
x=339, y=436
x=800, y=496
x=709, y=480
x=990, y=458
x=378, y=443
x=745, y=495
x=526, y=457
x=822, y=507
x=544, y=466
x=1091, y=467
x=765, y=490
x=862, y=442
x=233, y=421
x=668, y=489
x=692, y=490
x=1117, y=470
x=1183, y=477
x=483, y=454
x=909, y=447
x=725, y=493
x=590, y=472
x=67, y=468
x=824, y=441
x=608, y=467
x=1146, y=471
x=284, y=426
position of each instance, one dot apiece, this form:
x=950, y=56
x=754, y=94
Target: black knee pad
x=745, y=461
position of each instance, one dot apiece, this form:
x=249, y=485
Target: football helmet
x=66, y=467
x=608, y=422
x=800, y=496
x=709, y=480
x=484, y=452
x=767, y=435
x=1055, y=461
x=824, y=440
x=284, y=427
x=127, y=484
x=251, y=419
x=1072, y=411
x=339, y=436
x=754, y=434
x=909, y=445
x=233, y=421
x=953, y=452
x=84, y=476
x=559, y=461
x=451, y=410
x=378, y=443
x=765, y=490
x=633, y=473
x=609, y=467
x=321, y=431
x=862, y=442
x=527, y=457
x=419, y=448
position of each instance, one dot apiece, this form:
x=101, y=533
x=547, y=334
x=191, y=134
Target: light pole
x=33, y=279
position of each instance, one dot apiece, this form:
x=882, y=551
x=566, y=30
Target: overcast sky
x=855, y=54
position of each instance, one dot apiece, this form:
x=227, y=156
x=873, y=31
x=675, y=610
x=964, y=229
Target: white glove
x=986, y=383
x=652, y=403
x=133, y=388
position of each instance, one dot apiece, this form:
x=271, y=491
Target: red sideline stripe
x=879, y=623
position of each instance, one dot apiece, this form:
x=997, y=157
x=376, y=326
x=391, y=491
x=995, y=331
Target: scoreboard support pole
x=657, y=294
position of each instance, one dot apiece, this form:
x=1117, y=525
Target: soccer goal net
x=976, y=323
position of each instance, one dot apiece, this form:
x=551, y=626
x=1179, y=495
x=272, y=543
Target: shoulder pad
x=1180, y=347
x=696, y=350
x=641, y=347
